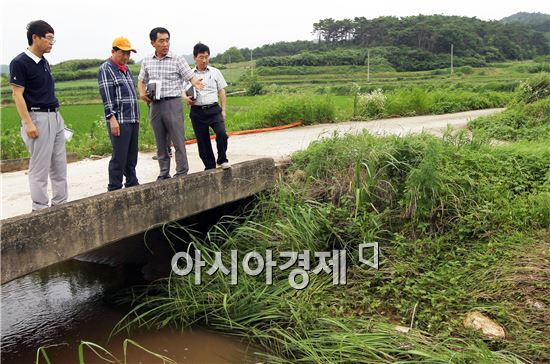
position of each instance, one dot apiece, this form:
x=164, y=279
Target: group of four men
x=42, y=126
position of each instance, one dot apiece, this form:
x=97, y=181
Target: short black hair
x=200, y=48
x=38, y=27
x=155, y=31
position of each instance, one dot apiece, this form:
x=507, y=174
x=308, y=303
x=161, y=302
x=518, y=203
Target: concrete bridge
x=34, y=241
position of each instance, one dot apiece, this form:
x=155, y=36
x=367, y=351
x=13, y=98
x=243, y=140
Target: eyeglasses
x=50, y=39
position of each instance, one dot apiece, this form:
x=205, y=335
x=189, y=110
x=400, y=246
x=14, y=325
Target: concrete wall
x=33, y=241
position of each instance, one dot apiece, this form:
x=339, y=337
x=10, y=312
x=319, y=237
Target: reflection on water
x=66, y=304
x=41, y=307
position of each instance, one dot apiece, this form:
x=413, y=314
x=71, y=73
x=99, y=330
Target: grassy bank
x=462, y=226
x=414, y=101
x=527, y=118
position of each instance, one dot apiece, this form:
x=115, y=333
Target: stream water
x=59, y=306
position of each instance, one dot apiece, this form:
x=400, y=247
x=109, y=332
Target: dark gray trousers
x=124, y=157
x=167, y=119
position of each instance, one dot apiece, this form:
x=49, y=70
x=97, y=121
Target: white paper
x=158, y=85
x=68, y=134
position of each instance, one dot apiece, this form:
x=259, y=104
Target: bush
x=381, y=59
x=541, y=67
x=371, y=105
x=75, y=75
x=12, y=144
x=407, y=102
x=467, y=70
x=445, y=102
x=504, y=86
x=252, y=85
x=343, y=90
x=522, y=121
x=535, y=88
x=78, y=64
x=308, y=109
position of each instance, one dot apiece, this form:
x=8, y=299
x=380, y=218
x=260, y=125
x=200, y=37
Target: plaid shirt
x=118, y=92
x=171, y=70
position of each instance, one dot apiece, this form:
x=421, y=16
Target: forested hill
x=538, y=21
x=416, y=38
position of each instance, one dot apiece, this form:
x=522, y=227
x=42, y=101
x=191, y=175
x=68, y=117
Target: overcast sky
x=85, y=29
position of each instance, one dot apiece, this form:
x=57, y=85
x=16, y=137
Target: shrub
x=467, y=70
x=522, y=121
x=252, y=85
x=308, y=109
x=372, y=104
x=407, y=102
x=541, y=67
x=535, y=88
x=12, y=144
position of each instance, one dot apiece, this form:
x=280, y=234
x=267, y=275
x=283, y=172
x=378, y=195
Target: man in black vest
x=42, y=127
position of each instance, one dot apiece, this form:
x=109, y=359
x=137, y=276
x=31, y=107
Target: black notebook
x=191, y=92
x=153, y=90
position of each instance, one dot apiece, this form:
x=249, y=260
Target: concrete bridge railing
x=33, y=241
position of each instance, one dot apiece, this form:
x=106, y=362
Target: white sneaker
x=225, y=165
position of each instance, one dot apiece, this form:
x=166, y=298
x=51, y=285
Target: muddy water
x=64, y=304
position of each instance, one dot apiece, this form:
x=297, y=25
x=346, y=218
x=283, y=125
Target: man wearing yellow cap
x=118, y=91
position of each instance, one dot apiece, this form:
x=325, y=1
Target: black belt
x=167, y=98
x=43, y=109
x=204, y=106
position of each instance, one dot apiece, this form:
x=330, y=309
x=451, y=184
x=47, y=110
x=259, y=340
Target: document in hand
x=191, y=92
x=68, y=134
x=153, y=89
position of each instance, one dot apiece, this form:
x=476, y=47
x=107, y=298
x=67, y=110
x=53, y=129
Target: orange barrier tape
x=252, y=131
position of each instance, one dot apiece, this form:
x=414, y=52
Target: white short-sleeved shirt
x=213, y=82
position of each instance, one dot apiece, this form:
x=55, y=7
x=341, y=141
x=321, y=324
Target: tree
x=232, y=55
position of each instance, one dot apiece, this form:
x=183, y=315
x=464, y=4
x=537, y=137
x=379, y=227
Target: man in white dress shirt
x=207, y=112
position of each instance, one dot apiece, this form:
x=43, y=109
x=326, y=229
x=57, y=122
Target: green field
x=87, y=121
x=340, y=80
x=289, y=94
x=242, y=111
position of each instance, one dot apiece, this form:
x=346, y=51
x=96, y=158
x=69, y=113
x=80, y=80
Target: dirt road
x=89, y=177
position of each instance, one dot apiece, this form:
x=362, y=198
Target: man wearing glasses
x=117, y=89
x=206, y=113
x=42, y=127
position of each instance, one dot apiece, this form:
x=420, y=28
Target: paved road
x=89, y=177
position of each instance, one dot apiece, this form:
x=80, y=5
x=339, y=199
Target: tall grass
x=101, y=353
x=527, y=118
x=446, y=213
x=306, y=108
x=415, y=101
